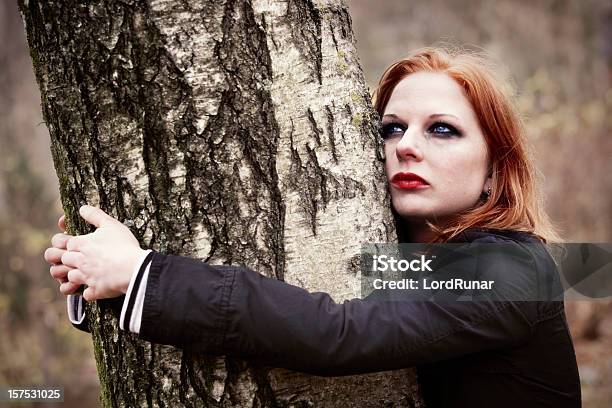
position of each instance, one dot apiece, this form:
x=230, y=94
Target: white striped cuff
x=131, y=311
x=76, y=308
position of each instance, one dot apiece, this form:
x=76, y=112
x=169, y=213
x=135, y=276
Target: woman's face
x=431, y=131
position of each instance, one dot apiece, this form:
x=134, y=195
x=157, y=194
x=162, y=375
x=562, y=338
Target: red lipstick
x=408, y=181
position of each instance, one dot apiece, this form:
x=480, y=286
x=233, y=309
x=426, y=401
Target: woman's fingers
x=89, y=294
x=73, y=259
x=54, y=255
x=69, y=288
x=76, y=276
x=59, y=271
x=78, y=242
x=60, y=240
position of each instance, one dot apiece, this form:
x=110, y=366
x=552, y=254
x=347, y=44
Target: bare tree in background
x=233, y=131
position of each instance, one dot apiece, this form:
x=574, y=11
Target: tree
x=236, y=132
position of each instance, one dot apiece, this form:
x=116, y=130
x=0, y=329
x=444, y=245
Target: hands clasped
x=103, y=260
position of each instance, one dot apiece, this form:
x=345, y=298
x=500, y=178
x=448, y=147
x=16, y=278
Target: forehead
x=426, y=92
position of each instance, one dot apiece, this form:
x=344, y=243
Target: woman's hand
x=103, y=260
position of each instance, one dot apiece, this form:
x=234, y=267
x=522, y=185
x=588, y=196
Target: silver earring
x=488, y=193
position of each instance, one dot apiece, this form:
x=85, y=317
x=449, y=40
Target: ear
x=487, y=185
x=489, y=180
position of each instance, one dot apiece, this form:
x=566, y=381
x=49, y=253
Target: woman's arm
x=238, y=312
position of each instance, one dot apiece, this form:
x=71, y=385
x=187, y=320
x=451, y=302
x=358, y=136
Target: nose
x=408, y=147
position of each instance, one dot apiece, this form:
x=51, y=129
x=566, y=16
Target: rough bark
x=232, y=131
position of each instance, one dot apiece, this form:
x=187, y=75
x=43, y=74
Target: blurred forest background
x=559, y=53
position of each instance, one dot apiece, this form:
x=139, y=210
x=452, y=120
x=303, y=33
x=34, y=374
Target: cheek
x=390, y=159
x=462, y=172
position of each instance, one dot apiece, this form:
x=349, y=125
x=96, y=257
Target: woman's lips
x=408, y=181
x=409, y=184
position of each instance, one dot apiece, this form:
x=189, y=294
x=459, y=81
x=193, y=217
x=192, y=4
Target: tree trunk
x=232, y=131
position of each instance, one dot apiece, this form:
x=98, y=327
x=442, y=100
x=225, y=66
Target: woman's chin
x=413, y=209
x=413, y=214
x=419, y=215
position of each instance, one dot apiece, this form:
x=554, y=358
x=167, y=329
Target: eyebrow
x=434, y=115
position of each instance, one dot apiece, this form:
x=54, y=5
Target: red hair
x=514, y=203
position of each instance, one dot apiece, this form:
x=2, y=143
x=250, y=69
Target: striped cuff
x=131, y=312
x=76, y=308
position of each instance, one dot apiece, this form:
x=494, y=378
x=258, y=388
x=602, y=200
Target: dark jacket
x=492, y=352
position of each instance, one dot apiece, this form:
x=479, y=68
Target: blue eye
x=392, y=129
x=443, y=129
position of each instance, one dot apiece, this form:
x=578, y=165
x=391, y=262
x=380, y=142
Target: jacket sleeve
x=237, y=312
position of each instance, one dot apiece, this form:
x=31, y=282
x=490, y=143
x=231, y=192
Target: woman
x=458, y=171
